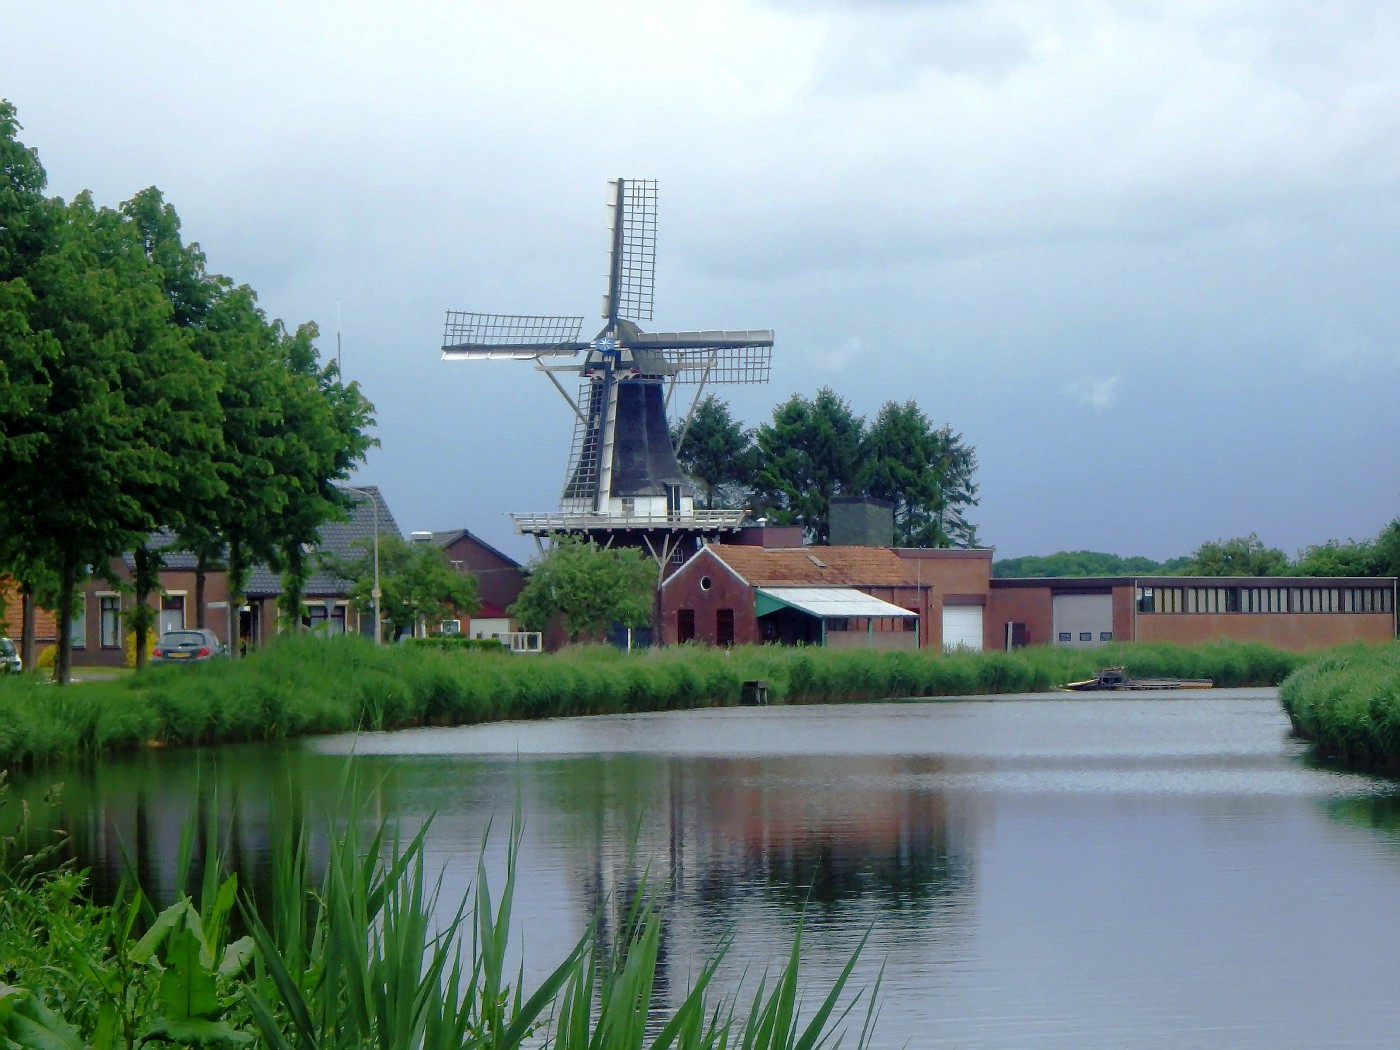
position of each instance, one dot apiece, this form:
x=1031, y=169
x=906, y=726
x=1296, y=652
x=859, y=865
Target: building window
x=1086, y=636
x=111, y=627
x=838, y=623
x=1065, y=636
x=685, y=625
x=77, y=627
x=1145, y=600
x=1105, y=636
x=706, y=583
x=724, y=627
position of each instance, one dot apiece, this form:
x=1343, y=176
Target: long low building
x=1295, y=612
x=772, y=589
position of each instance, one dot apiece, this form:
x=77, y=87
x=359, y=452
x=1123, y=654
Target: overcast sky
x=1142, y=255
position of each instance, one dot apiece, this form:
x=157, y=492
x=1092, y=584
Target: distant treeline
x=1241, y=556
x=1085, y=563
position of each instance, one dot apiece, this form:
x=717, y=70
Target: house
x=840, y=596
x=97, y=627
x=499, y=578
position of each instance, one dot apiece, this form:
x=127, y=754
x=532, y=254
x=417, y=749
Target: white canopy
x=829, y=602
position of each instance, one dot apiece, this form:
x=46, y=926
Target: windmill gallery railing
x=699, y=519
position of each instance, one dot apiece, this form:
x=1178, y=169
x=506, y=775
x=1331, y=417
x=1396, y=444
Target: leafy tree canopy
x=807, y=454
x=588, y=587
x=1241, y=556
x=416, y=582
x=1335, y=558
x=925, y=471
x=717, y=452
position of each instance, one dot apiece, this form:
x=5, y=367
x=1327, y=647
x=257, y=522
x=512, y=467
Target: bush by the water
x=301, y=685
x=1348, y=705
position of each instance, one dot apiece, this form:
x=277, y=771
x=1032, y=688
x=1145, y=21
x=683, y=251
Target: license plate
x=179, y=656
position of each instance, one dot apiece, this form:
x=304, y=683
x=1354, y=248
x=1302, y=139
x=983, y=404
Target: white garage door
x=962, y=627
x=1083, y=621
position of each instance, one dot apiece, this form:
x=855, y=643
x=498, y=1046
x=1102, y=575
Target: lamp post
x=374, y=509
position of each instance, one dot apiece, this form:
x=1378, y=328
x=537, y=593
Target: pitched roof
x=451, y=536
x=817, y=566
x=336, y=539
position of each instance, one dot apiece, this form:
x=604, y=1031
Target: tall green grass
x=1348, y=705
x=361, y=955
x=299, y=686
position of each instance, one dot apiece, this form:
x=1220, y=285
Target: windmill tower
x=623, y=485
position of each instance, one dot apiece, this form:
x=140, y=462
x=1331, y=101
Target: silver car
x=187, y=646
x=9, y=659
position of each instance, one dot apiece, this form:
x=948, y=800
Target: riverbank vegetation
x=304, y=685
x=357, y=951
x=1347, y=704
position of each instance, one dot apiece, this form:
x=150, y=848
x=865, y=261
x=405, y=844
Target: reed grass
x=299, y=686
x=1347, y=704
x=363, y=955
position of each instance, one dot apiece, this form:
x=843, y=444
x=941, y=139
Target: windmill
x=623, y=484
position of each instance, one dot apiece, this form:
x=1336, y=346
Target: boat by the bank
x=1118, y=678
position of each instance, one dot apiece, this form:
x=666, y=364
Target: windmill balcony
x=689, y=519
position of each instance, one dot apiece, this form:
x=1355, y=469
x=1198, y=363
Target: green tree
x=717, y=452
x=94, y=485
x=925, y=472
x=588, y=587
x=324, y=436
x=1335, y=558
x=1242, y=556
x=1388, y=550
x=809, y=453
x=416, y=582
x=28, y=221
x=183, y=391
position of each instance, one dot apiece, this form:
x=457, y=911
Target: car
x=187, y=646
x=9, y=659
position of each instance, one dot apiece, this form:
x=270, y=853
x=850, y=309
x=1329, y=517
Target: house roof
x=451, y=536
x=336, y=540
x=818, y=566
x=828, y=602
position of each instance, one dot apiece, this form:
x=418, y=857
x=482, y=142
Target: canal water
x=1162, y=870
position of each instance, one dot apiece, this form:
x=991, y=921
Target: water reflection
x=1048, y=873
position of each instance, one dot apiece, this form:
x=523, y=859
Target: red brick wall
x=684, y=591
x=1294, y=631
x=1028, y=605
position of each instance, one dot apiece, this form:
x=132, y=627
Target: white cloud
x=1099, y=394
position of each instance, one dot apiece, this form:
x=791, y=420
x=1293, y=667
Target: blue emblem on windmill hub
x=606, y=345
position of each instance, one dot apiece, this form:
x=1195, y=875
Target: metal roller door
x=962, y=627
x=1082, y=621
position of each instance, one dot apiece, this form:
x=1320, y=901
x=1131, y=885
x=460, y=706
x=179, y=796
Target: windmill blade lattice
x=632, y=276
x=510, y=336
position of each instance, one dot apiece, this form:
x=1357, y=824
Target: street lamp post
x=374, y=509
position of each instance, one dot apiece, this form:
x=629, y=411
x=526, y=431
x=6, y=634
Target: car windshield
x=7, y=647
x=184, y=638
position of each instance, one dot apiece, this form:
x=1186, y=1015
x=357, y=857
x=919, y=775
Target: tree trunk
x=67, y=583
x=201, y=567
x=29, y=622
x=144, y=584
x=236, y=574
